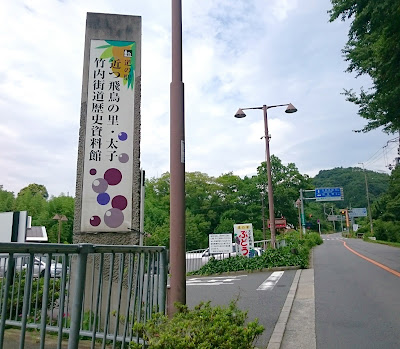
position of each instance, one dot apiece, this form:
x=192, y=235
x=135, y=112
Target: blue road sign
x=358, y=212
x=329, y=194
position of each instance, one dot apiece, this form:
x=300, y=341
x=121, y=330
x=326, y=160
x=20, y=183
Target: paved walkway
x=295, y=328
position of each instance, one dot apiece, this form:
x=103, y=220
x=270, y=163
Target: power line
x=382, y=152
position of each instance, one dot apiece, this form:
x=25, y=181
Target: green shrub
x=17, y=289
x=295, y=253
x=387, y=231
x=204, y=327
x=313, y=239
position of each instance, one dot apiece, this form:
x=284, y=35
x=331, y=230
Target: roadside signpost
x=279, y=223
x=243, y=234
x=320, y=195
x=329, y=194
x=358, y=212
x=334, y=218
x=220, y=243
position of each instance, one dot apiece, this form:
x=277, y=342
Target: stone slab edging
x=277, y=335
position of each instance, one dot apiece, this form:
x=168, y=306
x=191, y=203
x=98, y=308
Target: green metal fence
x=75, y=291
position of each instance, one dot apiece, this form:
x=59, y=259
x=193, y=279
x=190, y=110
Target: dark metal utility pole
x=263, y=219
x=369, y=207
x=177, y=167
x=240, y=114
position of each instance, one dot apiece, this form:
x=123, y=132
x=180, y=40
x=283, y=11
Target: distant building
x=17, y=227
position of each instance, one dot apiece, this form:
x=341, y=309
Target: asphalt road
x=357, y=303
x=266, y=305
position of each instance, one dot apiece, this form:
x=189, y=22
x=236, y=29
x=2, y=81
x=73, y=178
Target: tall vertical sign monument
x=108, y=171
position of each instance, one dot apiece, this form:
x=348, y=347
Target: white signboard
x=108, y=154
x=220, y=243
x=244, y=238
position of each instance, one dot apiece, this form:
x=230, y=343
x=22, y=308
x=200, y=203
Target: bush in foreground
x=295, y=253
x=204, y=327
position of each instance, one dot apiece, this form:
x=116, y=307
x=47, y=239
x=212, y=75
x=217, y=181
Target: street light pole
x=240, y=114
x=269, y=177
x=60, y=218
x=298, y=204
x=263, y=220
x=177, y=167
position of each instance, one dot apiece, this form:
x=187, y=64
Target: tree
x=156, y=221
x=373, y=49
x=286, y=182
x=387, y=207
x=61, y=205
x=33, y=199
x=6, y=200
x=352, y=180
x=35, y=189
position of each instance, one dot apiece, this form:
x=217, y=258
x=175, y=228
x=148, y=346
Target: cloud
x=235, y=54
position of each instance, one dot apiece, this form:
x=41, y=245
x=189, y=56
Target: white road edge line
x=270, y=283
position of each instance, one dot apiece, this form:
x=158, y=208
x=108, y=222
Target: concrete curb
x=277, y=335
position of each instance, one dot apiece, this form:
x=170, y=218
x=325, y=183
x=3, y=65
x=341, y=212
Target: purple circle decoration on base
x=113, y=176
x=119, y=202
x=103, y=198
x=123, y=157
x=95, y=221
x=113, y=218
x=122, y=136
x=93, y=171
x=99, y=185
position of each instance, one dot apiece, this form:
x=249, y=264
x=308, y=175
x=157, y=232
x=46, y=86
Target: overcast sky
x=240, y=53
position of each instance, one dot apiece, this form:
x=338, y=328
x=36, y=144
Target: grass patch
x=389, y=243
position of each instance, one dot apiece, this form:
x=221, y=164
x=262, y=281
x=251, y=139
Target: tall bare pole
x=369, y=207
x=263, y=219
x=270, y=189
x=177, y=167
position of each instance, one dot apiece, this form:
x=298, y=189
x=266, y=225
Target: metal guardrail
x=84, y=290
x=195, y=259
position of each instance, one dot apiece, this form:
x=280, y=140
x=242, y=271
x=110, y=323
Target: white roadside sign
x=220, y=243
x=244, y=238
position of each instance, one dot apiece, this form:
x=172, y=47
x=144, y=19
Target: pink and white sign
x=108, y=155
x=243, y=234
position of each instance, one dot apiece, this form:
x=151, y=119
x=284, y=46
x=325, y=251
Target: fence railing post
x=9, y=277
x=163, y=281
x=76, y=311
x=43, y=317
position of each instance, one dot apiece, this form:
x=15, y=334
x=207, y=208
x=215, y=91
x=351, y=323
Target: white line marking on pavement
x=212, y=281
x=210, y=284
x=270, y=283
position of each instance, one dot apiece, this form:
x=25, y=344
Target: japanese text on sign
x=244, y=238
x=108, y=153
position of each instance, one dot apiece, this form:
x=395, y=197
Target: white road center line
x=270, y=283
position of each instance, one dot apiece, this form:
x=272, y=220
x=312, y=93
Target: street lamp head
x=290, y=109
x=240, y=114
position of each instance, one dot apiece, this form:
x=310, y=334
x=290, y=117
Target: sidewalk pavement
x=296, y=324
